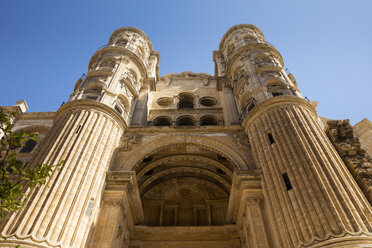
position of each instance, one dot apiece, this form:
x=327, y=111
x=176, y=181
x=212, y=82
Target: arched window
x=108, y=63
x=121, y=42
x=186, y=101
x=208, y=121
x=185, y=121
x=162, y=121
x=140, y=51
x=276, y=89
x=123, y=101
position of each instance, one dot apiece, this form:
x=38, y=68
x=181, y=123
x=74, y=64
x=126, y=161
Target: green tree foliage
x=15, y=175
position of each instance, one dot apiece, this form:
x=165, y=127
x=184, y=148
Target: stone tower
x=238, y=159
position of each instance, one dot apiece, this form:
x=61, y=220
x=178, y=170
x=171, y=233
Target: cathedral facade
x=238, y=159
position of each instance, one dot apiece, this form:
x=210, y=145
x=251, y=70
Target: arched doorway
x=184, y=185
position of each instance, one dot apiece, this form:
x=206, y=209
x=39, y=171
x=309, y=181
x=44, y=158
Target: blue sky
x=45, y=46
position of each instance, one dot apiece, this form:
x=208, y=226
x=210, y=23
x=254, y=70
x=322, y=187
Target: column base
x=345, y=242
x=11, y=242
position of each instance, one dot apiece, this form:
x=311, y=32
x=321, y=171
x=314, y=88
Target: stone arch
x=160, y=143
x=162, y=120
x=185, y=100
x=95, y=84
x=108, y=62
x=124, y=101
x=196, y=171
x=246, y=98
x=204, y=192
x=208, y=120
x=185, y=120
x=133, y=73
x=121, y=42
x=218, y=165
x=271, y=81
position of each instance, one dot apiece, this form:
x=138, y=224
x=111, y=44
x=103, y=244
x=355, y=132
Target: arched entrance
x=172, y=191
x=184, y=185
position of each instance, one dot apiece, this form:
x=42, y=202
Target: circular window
x=208, y=101
x=164, y=101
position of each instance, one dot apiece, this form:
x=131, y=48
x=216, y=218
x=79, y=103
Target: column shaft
x=59, y=214
x=309, y=191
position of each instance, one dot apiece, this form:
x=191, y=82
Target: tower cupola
x=252, y=67
x=119, y=71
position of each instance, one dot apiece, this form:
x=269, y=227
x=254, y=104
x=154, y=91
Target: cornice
x=132, y=29
x=186, y=75
x=179, y=129
x=36, y=115
x=89, y=105
x=131, y=55
x=272, y=103
x=236, y=27
x=250, y=47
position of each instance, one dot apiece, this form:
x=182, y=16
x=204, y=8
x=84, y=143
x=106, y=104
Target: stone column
x=60, y=213
x=312, y=199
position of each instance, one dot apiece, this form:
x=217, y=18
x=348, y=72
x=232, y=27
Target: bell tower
x=311, y=198
x=85, y=134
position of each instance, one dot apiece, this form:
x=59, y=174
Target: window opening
x=287, y=182
x=271, y=138
x=186, y=101
x=208, y=101
x=276, y=94
x=208, y=121
x=78, y=129
x=28, y=147
x=185, y=121
x=149, y=172
x=118, y=109
x=146, y=160
x=221, y=158
x=162, y=121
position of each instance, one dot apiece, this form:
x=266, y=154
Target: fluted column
x=60, y=213
x=312, y=199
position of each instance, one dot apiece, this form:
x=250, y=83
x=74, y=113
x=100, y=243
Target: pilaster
x=120, y=210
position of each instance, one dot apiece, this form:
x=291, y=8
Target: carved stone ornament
x=348, y=147
x=129, y=140
x=253, y=201
x=240, y=139
x=125, y=59
x=112, y=202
